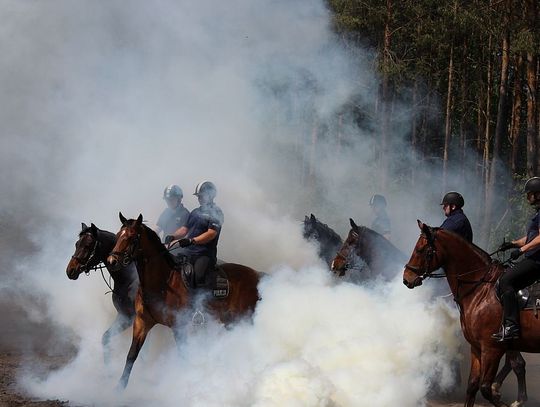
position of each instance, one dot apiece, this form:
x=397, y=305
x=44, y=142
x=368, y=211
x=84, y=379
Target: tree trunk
x=515, y=121
x=385, y=99
x=501, y=128
x=531, y=115
x=448, y=127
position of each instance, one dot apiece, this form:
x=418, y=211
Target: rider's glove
x=185, y=242
x=169, y=239
x=507, y=246
x=514, y=255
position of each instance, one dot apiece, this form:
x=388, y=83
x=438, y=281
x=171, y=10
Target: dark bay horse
x=382, y=257
x=92, y=249
x=471, y=275
x=328, y=241
x=162, y=295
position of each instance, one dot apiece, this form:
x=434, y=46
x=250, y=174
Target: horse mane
x=327, y=230
x=478, y=250
x=382, y=240
x=88, y=229
x=156, y=241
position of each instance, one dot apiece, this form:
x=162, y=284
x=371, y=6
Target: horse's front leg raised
x=120, y=324
x=489, y=363
x=474, y=378
x=141, y=327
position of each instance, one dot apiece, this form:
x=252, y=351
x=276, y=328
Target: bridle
x=345, y=251
x=131, y=253
x=85, y=265
x=430, y=253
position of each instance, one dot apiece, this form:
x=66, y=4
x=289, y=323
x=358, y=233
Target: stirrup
x=506, y=333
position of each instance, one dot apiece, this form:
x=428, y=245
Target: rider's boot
x=510, y=327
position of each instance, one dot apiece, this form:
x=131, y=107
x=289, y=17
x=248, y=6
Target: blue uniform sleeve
x=216, y=220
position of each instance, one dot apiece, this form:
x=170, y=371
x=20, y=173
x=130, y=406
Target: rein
x=431, y=253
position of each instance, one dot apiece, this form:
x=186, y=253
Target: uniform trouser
x=200, y=265
x=521, y=275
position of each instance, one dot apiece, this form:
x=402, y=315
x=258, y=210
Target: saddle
x=528, y=297
x=216, y=278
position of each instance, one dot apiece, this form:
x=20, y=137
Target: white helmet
x=206, y=187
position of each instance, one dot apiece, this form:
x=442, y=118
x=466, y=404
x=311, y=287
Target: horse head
x=424, y=259
x=311, y=231
x=127, y=242
x=86, y=247
x=343, y=256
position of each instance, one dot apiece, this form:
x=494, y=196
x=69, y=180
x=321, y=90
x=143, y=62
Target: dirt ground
x=11, y=394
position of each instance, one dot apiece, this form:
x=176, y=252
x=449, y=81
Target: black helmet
x=206, y=187
x=453, y=198
x=377, y=200
x=173, y=191
x=532, y=185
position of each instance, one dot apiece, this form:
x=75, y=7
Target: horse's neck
x=106, y=241
x=152, y=267
x=464, y=266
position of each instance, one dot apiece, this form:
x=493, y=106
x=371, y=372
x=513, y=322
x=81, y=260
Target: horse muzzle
x=411, y=280
x=73, y=270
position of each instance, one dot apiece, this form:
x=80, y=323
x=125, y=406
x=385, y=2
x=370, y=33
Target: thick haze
x=105, y=103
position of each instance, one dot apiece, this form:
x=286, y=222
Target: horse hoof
x=517, y=404
x=495, y=389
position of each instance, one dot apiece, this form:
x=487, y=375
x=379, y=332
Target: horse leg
x=140, y=331
x=518, y=366
x=489, y=362
x=503, y=373
x=474, y=378
x=120, y=324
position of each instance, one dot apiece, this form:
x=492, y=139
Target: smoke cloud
x=106, y=104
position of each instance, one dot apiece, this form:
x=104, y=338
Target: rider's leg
x=514, y=279
x=200, y=265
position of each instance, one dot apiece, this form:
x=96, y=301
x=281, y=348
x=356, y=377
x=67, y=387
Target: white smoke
x=106, y=103
x=311, y=343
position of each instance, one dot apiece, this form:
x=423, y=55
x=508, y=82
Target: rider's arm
x=520, y=242
x=533, y=244
x=205, y=237
x=180, y=232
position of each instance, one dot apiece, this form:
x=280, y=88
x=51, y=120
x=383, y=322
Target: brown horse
x=378, y=252
x=471, y=275
x=162, y=294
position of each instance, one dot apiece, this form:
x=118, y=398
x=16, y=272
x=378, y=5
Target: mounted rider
x=200, y=235
x=381, y=222
x=456, y=221
x=175, y=215
x=523, y=273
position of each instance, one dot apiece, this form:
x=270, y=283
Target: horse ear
x=122, y=218
x=353, y=225
x=83, y=226
x=427, y=231
x=93, y=228
x=312, y=217
x=420, y=224
x=139, y=220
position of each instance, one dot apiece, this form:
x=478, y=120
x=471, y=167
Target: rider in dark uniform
x=381, y=223
x=524, y=273
x=456, y=221
x=201, y=233
x=175, y=215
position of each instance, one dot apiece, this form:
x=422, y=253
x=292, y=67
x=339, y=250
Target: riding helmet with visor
x=378, y=200
x=173, y=191
x=453, y=198
x=206, y=188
